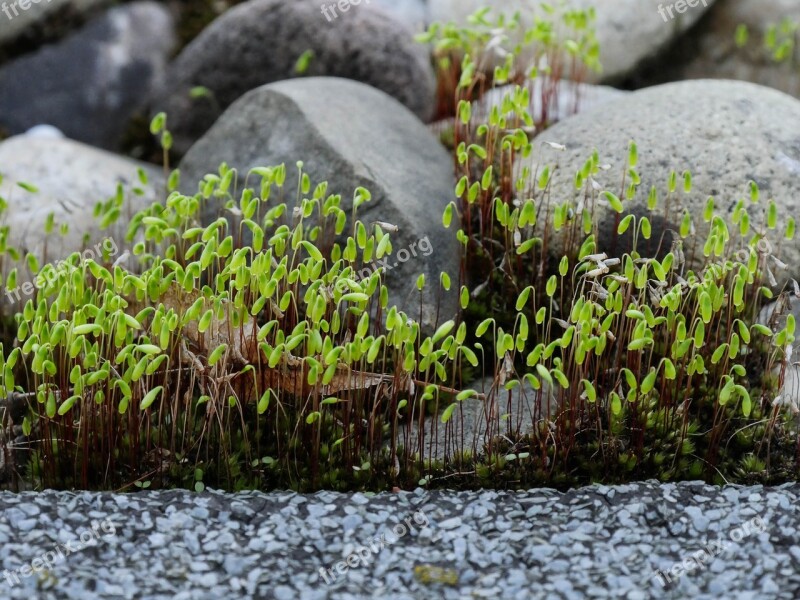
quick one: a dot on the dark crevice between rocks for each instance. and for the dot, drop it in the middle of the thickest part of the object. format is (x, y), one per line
(665, 66)
(62, 22)
(193, 16)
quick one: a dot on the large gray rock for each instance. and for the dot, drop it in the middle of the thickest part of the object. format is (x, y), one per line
(629, 31)
(71, 179)
(572, 98)
(91, 83)
(710, 50)
(260, 42)
(726, 133)
(413, 13)
(40, 18)
(350, 135)
(545, 108)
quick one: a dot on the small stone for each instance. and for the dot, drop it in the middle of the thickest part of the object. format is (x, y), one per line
(351, 523)
(283, 592)
(316, 511)
(451, 523)
(768, 586)
(27, 524)
(200, 512)
(795, 552)
(206, 579)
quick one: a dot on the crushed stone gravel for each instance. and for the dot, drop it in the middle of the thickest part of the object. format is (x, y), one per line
(636, 541)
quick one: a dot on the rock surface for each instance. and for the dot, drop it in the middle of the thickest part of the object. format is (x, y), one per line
(260, 42)
(710, 50)
(726, 133)
(629, 31)
(595, 542)
(91, 83)
(414, 13)
(349, 134)
(71, 179)
(573, 98)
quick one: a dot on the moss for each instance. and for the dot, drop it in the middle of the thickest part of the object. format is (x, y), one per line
(292, 382)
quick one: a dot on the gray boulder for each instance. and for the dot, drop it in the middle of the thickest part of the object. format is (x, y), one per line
(726, 133)
(572, 98)
(91, 83)
(414, 13)
(545, 108)
(260, 42)
(710, 50)
(629, 31)
(349, 134)
(70, 179)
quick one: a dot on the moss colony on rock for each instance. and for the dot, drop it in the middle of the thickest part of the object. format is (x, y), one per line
(248, 352)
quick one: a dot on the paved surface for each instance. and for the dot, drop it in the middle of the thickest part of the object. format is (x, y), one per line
(596, 542)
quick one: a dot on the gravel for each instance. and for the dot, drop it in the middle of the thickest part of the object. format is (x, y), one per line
(596, 542)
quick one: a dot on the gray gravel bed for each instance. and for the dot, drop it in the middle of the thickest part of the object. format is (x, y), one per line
(595, 542)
